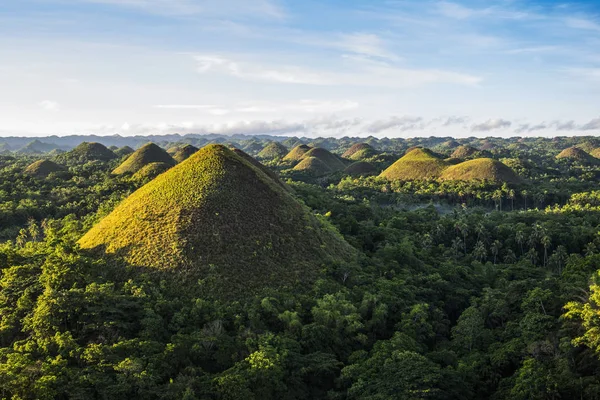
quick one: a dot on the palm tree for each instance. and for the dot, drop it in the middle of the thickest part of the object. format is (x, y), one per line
(520, 238)
(511, 196)
(480, 251)
(496, 246)
(524, 193)
(546, 242)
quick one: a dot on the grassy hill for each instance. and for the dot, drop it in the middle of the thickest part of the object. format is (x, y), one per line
(577, 154)
(272, 151)
(218, 218)
(595, 152)
(86, 152)
(147, 154)
(297, 153)
(184, 152)
(151, 171)
(464, 152)
(481, 169)
(415, 165)
(328, 158)
(43, 168)
(360, 168)
(37, 147)
(124, 151)
(313, 166)
(359, 151)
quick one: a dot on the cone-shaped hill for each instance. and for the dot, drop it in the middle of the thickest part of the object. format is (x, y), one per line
(43, 168)
(464, 152)
(313, 166)
(481, 169)
(184, 152)
(124, 151)
(360, 168)
(327, 157)
(595, 152)
(416, 165)
(218, 218)
(151, 171)
(359, 151)
(577, 154)
(272, 151)
(148, 153)
(86, 152)
(264, 169)
(297, 153)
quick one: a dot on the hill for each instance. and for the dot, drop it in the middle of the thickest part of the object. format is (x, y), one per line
(449, 144)
(218, 218)
(297, 153)
(577, 154)
(184, 152)
(37, 147)
(464, 152)
(595, 152)
(87, 151)
(147, 154)
(360, 168)
(43, 168)
(359, 151)
(480, 169)
(328, 158)
(272, 151)
(124, 151)
(415, 165)
(313, 166)
(151, 171)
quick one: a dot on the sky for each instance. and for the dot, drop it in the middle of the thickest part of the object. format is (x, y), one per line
(393, 68)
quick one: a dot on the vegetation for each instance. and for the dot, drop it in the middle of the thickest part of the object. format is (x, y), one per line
(123, 151)
(147, 154)
(578, 155)
(313, 166)
(326, 157)
(151, 171)
(217, 280)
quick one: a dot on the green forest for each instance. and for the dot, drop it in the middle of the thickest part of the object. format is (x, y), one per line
(238, 267)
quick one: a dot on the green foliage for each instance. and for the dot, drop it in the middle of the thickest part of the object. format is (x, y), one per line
(273, 150)
(359, 151)
(184, 152)
(43, 168)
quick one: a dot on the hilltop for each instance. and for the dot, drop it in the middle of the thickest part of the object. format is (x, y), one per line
(43, 168)
(147, 154)
(313, 166)
(481, 169)
(86, 152)
(359, 151)
(415, 165)
(464, 152)
(297, 153)
(184, 152)
(272, 151)
(218, 218)
(328, 158)
(37, 147)
(123, 151)
(577, 154)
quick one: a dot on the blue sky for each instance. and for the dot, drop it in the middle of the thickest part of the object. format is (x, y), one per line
(335, 68)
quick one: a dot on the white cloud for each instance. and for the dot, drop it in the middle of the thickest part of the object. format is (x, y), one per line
(404, 123)
(185, 106)
(368, 44)
(361, 72)
(303, 106)
(49, 105)
(582, 23)
(490, 125)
